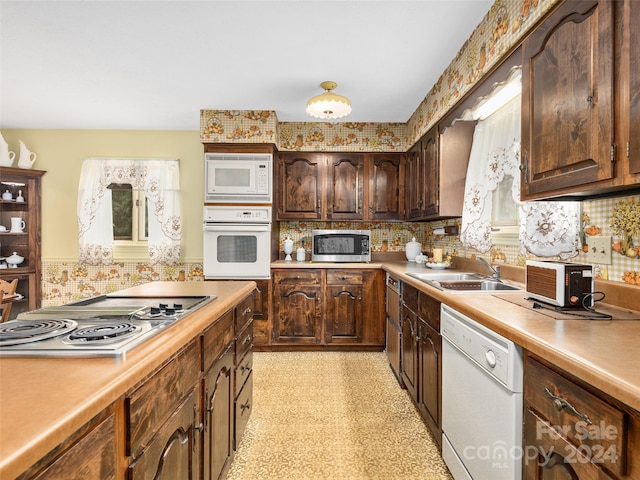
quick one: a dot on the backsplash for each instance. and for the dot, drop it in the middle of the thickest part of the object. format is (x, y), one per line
(393, 237)
(64, 282)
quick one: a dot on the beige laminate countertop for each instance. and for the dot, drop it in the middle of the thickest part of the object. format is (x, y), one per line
(44, 400)
(603, 353)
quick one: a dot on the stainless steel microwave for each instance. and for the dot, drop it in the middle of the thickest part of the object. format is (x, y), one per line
(341, 245)
(244, 178)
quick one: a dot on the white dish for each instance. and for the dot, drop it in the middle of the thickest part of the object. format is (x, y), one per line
(437, 266)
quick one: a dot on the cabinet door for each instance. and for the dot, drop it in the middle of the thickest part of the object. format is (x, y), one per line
(386, 187)
(173, 453)
(429, 384)
(297, 314)
(343, 314)
(632, 52)
(300, 186)
(218, 416)
(431, 177)
(415, 185)
(410, 351)
(345, 189)
(261, 308)
(567, 107)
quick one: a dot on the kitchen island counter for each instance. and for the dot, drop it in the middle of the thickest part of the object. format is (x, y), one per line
(45, 400)
(603, 353)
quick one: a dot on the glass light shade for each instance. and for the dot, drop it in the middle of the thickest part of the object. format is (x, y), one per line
(328, 105)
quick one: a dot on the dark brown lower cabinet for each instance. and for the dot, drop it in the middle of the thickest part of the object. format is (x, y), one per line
(174, 452)
(410, 351)
(572, 431)
(328, 308)
(182, 422)
(218, 415)
(422, 356)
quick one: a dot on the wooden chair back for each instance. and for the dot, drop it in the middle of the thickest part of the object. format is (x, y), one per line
(7, 289)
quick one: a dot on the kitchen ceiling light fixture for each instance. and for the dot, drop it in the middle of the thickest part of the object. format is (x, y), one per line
(328, 105)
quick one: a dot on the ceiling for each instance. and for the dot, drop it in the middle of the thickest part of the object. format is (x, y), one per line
(153, 64)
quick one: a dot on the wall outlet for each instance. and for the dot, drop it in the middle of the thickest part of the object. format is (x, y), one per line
(599, 250)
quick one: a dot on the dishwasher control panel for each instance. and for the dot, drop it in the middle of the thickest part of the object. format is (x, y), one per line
(490, 351)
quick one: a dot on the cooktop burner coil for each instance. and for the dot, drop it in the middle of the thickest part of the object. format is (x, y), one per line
(102, 333)
(17, 332)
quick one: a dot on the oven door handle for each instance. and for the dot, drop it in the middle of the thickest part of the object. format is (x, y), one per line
(237, 227)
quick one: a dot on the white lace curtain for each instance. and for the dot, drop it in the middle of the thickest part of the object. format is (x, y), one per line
(546, 229)
(160, 181)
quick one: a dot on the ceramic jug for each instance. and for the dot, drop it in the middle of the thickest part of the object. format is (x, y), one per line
(27, 157)
(6, 157)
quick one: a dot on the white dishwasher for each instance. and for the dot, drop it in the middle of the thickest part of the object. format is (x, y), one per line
(481, 400)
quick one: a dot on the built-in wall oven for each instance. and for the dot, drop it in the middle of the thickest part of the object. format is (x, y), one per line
(237, 242)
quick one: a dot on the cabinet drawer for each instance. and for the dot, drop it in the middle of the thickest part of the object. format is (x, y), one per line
(243, 370)
(594, 426)
(244, 313)
(94, 456)
(548, 455)
(215, 339)
(244, 405)
(305, 276)
(244, 342)
(410, 297)
(151, 403)
(341, 277)
(429, 310)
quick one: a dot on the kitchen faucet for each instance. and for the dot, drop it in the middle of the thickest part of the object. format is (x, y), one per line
(495, 271)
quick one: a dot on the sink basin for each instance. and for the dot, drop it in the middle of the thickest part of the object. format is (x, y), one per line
(476, 286)
(445, 277)
(463, 282)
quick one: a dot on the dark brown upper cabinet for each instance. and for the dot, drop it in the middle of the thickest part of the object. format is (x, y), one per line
(436, 172)
(339, 186)
(629, 87)
(567, 101)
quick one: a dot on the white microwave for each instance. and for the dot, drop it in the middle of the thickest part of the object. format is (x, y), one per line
(238, 178)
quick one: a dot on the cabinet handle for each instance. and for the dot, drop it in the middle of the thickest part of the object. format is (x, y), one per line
(247, 311)
(555, 459)
(246, 340)
(561, 404)
(245, 406)
(196, 425)
(245, 367)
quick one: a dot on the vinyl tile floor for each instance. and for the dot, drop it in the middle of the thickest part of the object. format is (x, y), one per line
(333, 416)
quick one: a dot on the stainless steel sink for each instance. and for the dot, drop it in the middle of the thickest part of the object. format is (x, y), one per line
(445, 277)
(477, 286)
(463, 282)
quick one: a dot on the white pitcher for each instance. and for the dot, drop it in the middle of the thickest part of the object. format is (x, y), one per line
(6, 157)
(27, 157)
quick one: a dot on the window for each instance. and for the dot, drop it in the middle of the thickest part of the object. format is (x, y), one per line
(505, 211)
(130, 210)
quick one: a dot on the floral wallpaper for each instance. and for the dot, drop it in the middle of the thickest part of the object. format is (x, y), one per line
(64, 282)
(504, 25)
